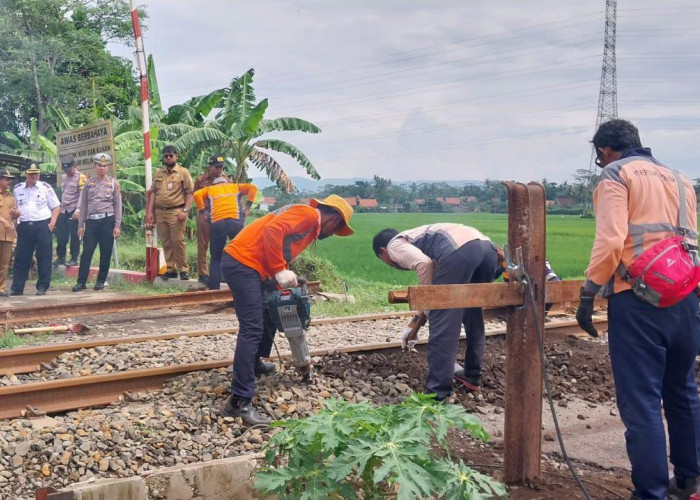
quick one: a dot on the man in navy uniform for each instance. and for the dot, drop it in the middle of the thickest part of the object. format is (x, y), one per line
(38, 208)
(99, 221)
(72, 183)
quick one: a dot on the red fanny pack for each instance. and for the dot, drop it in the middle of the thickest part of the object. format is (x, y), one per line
(666, 273)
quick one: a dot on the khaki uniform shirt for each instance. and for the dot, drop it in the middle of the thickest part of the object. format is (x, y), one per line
(171, 188)
(71, 185)
(101, 197)
(7, 202)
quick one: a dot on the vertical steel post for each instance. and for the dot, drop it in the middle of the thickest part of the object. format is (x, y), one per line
(151, 235)
(523, 395)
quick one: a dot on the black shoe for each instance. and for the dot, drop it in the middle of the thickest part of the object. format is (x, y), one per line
(59, 262)
(15, 294)
(203, 279)
(472, 384)
(242, 407)
(165, 276)
(4, 294)
(690, 486)
(41, 291)
(79, 286)
(184, 276)
(264, 367)
(72, 262)
(99, 285)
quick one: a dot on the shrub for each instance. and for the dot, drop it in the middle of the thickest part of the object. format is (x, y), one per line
(382, 452)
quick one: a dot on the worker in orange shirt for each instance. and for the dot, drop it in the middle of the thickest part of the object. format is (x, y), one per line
(226, 218)
(262, 251)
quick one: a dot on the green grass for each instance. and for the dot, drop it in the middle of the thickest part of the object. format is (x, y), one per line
(569, 242)
(9, 339)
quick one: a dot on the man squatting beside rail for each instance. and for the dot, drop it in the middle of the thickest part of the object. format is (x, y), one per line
(262, 252)
(638, 203)
(442, 254)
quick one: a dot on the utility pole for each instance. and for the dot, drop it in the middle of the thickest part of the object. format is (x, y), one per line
(607, 97)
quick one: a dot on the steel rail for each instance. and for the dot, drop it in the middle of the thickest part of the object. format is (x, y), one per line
(28, 314)
(98, 390)
(29, 359)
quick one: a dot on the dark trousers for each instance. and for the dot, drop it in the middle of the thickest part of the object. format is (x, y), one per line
(100, 231)
(652, 351)
(32, 236)
(256, 332)
(221, 231)
(67, 229)
(473, 262)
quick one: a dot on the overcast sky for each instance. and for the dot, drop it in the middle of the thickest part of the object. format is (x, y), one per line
(417, 89)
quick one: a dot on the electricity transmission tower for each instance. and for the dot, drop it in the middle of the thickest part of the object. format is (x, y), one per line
(607, 98)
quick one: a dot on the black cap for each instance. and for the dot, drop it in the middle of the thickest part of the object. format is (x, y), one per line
(217, 160)
(5, 173)
(67, 163)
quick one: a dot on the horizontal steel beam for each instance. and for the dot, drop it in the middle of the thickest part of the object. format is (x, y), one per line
(98, 390)
(137, 303)
(17, 315)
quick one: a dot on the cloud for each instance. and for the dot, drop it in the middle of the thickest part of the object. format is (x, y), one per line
(446, 89)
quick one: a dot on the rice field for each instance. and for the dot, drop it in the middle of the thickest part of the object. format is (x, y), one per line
(569, 242)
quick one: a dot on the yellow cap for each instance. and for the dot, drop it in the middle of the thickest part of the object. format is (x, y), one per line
(341, 206)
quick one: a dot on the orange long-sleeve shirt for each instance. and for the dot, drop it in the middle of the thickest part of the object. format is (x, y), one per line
(636, 205)
(224, 199)
(270, 243)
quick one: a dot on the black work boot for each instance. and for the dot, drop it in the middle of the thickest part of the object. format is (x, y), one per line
(100, 285)
(264, 367)
(471, 384)
(679, 489)
(242, 407)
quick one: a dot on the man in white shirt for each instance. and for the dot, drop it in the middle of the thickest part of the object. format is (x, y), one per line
(38, 208)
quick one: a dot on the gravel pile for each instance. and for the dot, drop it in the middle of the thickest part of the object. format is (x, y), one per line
(177, 425)
(181, 423)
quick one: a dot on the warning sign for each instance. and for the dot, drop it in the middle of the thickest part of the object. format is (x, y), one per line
(83, 143)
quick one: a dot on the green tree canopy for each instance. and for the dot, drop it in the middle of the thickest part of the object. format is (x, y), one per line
(53, 54)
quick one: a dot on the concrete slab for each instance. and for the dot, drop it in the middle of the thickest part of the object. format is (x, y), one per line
(185, 285)
(113, 276)
(224, 479)
(132, 488)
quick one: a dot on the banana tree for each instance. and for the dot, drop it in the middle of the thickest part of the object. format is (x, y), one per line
(236, 132)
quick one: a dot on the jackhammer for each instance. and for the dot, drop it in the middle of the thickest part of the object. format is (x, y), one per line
(290, 312)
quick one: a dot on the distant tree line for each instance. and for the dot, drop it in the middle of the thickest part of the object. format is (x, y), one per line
(489, 196)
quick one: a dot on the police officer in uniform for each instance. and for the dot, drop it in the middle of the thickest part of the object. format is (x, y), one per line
(99, 221)
(72, 182)
(38, 208)
(169, 202)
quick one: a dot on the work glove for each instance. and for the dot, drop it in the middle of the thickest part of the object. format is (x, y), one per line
(584, 313)
(407, 344)
(286, 279)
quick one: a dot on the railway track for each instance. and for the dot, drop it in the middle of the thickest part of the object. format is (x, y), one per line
(96, 390)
